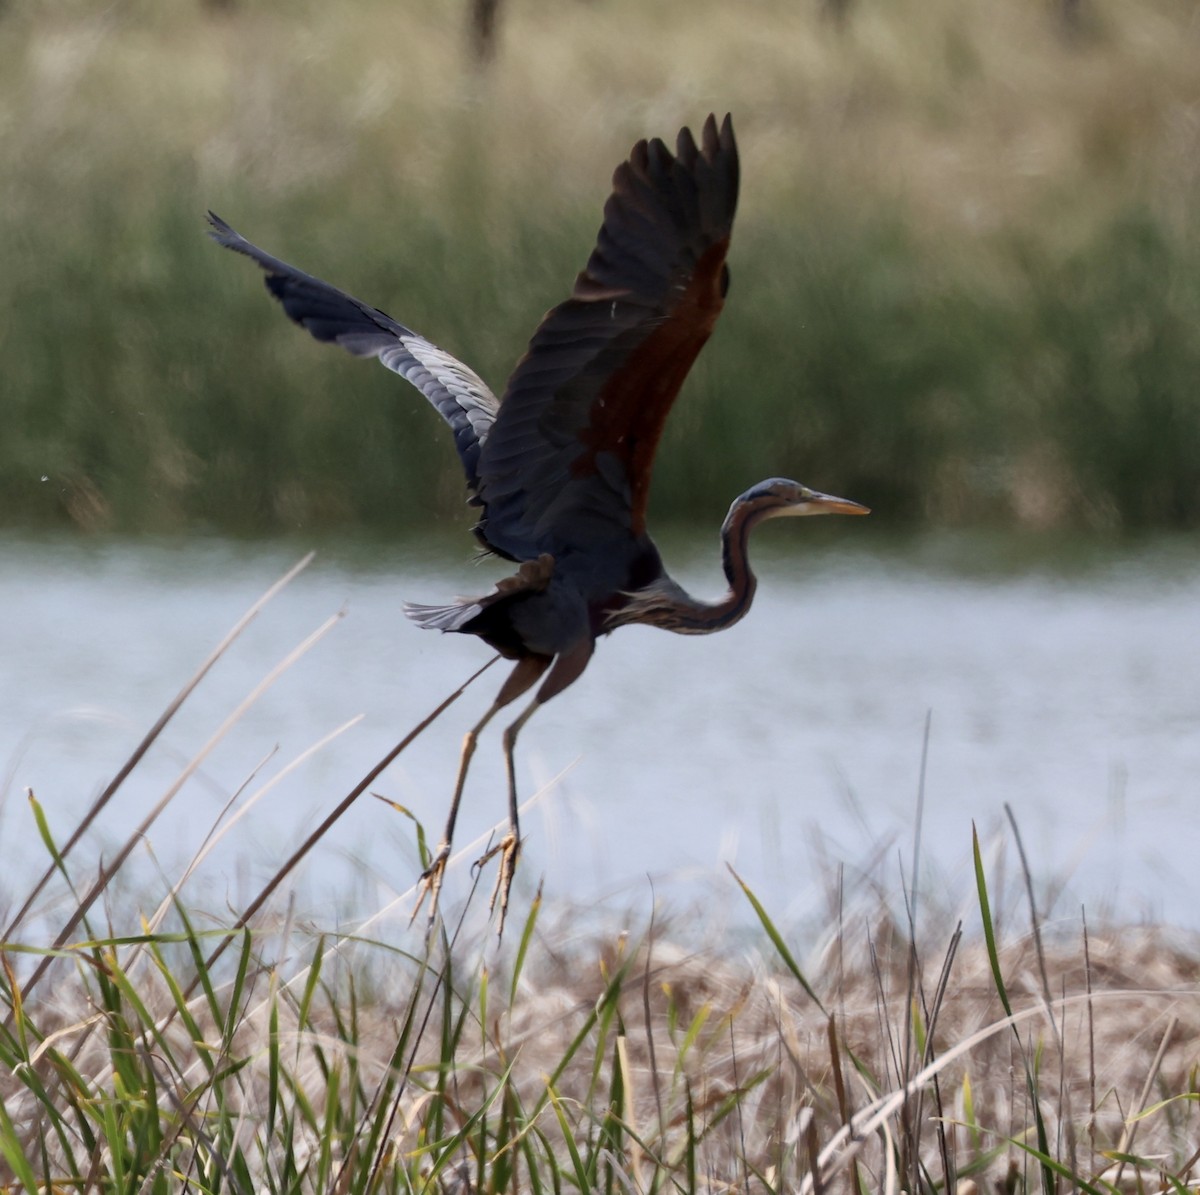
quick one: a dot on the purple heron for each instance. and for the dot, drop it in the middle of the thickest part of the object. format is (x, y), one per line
(559, 466)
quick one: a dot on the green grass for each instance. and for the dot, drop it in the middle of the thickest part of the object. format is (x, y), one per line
(151, 1045)
(966, 268)
(621, 1063)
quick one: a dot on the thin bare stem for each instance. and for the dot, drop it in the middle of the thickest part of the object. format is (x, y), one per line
(107, 873)
(345, 803)
(1131, 1121)
(655, 1078)
(1091, 1025)
(151, 735)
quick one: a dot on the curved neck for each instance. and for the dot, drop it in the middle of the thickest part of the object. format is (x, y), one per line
(735, 562)
(670, 607)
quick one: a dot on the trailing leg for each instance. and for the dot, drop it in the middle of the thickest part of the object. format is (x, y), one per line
(567, 668)
(509, 847)
(522, 678)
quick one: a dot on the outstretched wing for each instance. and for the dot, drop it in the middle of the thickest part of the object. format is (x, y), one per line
(568, 461)
(328, 314)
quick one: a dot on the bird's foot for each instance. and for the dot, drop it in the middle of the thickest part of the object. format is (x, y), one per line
(508, 848)
(430, 885)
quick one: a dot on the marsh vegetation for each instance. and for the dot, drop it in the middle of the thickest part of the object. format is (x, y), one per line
(906, 1038)
(966, 267)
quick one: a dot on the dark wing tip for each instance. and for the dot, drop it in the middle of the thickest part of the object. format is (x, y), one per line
(219, 230)
(718, 138)
(714, 140)
(639, 157)
(230, 238)
(718, 151)
(685, 147)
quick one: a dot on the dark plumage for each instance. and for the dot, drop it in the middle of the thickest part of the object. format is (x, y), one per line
(560, 466)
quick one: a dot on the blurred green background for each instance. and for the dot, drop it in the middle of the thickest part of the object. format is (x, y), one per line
(966, 269)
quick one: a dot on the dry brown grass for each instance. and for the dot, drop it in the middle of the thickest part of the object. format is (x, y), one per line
(721, 1053)
(1099, 1061)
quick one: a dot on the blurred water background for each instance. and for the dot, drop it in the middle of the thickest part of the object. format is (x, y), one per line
(966, 291)
(1063, 683)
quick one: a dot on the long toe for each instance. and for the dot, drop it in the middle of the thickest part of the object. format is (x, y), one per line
(509, 848)
(430, 885)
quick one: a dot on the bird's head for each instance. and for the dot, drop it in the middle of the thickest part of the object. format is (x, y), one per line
(777, 496)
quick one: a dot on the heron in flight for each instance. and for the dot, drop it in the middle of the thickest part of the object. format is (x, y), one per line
(559, 466)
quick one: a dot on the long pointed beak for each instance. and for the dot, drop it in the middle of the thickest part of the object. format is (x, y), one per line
(827, 504)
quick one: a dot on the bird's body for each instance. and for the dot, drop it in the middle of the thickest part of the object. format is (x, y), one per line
(560, 465)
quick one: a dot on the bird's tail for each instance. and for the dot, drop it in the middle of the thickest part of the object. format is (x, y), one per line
(532, 577)
(453, 617)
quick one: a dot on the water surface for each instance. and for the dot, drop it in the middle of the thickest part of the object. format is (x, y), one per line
(1066, 684)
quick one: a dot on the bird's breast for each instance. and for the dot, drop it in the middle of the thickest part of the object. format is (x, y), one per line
(552, 621)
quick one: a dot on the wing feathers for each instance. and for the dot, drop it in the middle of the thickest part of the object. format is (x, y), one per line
(565, 459)
(328, 314)
(585, 407)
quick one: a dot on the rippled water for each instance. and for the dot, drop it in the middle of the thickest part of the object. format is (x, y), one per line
(1066, 685)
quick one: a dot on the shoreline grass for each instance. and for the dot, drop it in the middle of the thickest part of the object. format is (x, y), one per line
(620, 1062)
(966, 272)
(153, 1045)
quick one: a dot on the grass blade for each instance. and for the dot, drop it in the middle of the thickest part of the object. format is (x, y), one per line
(777, 941)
